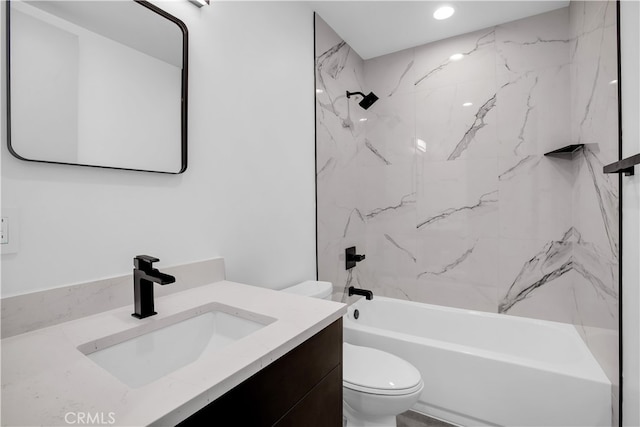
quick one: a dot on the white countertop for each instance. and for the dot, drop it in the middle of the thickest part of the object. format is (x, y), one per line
(45, 377)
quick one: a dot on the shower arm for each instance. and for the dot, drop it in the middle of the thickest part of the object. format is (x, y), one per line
(354, 93)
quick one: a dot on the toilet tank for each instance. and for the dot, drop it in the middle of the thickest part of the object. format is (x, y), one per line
(312, 288)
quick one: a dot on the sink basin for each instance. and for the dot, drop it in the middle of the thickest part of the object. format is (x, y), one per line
(146, 353)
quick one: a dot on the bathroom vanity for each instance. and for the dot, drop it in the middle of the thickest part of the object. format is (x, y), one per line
(302, 388)
(287, 371)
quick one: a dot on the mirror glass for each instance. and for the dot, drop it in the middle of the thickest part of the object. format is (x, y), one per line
(97, 83)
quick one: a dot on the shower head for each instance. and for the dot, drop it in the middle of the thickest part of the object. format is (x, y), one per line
(367, 100)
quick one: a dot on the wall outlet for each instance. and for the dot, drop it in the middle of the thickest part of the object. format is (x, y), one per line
(10, 231)
(4, 231)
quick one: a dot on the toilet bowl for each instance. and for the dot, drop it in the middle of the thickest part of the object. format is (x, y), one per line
(376, 385)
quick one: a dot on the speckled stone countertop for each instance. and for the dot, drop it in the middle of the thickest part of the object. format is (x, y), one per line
(46, 380)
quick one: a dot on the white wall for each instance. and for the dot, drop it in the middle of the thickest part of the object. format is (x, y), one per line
(248, 194)
(630, 56)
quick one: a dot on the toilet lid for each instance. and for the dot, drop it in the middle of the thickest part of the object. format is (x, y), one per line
(373, 371)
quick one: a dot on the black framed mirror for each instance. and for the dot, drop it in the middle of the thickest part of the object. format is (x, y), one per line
(99, 83)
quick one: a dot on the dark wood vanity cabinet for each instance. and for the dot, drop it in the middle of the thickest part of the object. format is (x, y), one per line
(302, 388)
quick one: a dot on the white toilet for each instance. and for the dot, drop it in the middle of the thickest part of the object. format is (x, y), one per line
(376, 385)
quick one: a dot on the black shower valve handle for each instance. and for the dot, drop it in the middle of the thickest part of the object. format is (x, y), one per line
(351, 258)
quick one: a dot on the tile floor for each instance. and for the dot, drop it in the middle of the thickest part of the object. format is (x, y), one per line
(414, 419)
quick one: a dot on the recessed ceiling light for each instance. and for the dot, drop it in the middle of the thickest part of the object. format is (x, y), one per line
(443, 12)
(613, 82)
(319, 91)
(364, 119)
(467, 104)
(200, 3)
(456, 57)
(421, 145)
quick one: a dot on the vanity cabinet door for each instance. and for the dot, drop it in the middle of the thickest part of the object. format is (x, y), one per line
(302, 388)
(322, 407)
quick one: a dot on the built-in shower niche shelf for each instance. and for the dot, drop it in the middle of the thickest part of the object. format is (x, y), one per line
(566, 152)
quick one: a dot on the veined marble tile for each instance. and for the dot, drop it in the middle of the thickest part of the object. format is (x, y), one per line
(391, 259)
(459, 197)
(450, 128)
(537, 278)
(596, 304)
(434, 68)
(340, 144)
(469, 260)
(391, 75)
(533, 111)
(598, 272)
(553, 302)
(594, 102)
(594, 122)
(588, 19)
(331, 249)
(391, 245)
(573, 257)
(336, 148)
(595, 201)
(339, 117)
(535, 197)
(568, 299)
(594, 73)
(454, 293)
(338, 69)
(335, 195)
(389, 160)
(536, 42)
(391, 129)
(326, 37)
(542, 269)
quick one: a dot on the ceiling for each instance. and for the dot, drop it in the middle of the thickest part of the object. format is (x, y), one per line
(375, 28)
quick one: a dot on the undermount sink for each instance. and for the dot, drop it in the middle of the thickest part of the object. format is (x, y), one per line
(148, 352)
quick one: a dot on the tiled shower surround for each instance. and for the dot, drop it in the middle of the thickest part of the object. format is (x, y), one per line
(443, 182)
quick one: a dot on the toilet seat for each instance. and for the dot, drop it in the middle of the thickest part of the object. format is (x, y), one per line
(372, 371)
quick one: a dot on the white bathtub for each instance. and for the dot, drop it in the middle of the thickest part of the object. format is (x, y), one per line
(488, 369)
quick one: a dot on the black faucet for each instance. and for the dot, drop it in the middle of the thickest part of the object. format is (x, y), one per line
(356, 291)
(144, 275)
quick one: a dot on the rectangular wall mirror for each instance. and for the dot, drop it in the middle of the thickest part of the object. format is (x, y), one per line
(99, 83)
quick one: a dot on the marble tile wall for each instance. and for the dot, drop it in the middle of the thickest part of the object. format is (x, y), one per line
(444, 184)
(594, 122)
(341, 148)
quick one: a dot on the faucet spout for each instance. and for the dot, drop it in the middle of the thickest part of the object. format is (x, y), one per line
(364, 292)
(144, 276)
(156, 276)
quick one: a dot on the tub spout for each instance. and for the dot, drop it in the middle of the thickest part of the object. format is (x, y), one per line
(364, 292)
